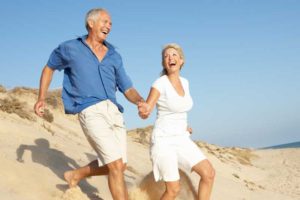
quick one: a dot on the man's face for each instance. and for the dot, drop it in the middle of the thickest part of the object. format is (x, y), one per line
(101, 26)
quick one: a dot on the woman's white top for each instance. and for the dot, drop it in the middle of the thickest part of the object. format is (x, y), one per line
(171, 108)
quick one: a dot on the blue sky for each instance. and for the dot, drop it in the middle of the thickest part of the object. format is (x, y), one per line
(242, 58)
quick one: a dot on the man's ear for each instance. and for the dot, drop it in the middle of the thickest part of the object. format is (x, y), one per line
(90, 23)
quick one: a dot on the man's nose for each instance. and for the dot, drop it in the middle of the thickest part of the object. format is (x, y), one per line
(108, 25)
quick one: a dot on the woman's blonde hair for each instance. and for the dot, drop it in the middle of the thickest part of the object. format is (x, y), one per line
(171, 46)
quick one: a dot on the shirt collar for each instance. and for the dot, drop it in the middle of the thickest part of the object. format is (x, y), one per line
(110, 47)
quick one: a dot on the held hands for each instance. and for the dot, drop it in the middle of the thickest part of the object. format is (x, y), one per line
(144, 110)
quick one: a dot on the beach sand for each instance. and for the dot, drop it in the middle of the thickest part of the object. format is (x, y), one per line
(35, 153)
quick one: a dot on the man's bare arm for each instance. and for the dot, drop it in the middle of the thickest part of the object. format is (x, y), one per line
(133, 96)
(45, 81)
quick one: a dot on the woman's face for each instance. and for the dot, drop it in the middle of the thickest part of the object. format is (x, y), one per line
(172, 61)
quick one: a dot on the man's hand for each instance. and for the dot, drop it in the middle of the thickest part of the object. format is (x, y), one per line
(39, 107)
(144, 110)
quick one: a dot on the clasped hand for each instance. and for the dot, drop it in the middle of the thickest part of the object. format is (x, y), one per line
(144, 110)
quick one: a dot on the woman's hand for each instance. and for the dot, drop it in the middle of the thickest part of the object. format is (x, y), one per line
(144, 110)
(189, 129)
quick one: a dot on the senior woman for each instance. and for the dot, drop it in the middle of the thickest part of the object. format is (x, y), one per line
(171, 145)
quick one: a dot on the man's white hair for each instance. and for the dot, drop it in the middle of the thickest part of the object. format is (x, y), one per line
(93, 14)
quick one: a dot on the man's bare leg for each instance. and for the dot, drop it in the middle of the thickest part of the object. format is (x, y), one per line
(92, 169)
(116, 180)
(114, 170)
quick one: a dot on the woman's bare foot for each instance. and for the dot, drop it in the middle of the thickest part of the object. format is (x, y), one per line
(71, 178)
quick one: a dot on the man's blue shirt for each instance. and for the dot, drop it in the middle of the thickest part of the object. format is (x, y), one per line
(88, 81)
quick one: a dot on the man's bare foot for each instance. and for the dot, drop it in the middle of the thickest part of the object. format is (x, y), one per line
(71, 178)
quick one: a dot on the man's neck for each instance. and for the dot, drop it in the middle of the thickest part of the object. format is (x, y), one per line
(94, 43)
(97, 47)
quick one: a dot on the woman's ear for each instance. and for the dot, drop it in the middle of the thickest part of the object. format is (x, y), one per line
(181, 63)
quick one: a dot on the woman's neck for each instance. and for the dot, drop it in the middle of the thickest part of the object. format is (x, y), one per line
(173, 76)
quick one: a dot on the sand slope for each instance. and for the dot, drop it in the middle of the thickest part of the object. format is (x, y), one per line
(35, 153)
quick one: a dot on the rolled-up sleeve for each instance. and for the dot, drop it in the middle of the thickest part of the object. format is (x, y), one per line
(123, 80)
(58, 58)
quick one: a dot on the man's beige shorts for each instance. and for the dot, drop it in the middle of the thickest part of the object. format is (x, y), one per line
(103, 126)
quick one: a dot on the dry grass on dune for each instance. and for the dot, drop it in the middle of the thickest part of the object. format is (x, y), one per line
(11, 103)
(23, 90)
(242, 155)
(54, 99)
(141, 135)
(229, 154)
(48, 116)
(2, 89)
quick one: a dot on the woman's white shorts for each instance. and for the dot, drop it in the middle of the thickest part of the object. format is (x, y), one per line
(168, 153)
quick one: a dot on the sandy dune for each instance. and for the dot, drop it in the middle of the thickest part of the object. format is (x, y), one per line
(35, 153)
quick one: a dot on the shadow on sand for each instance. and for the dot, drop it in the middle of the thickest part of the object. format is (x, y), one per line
(57, 162)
